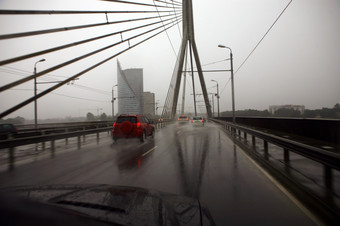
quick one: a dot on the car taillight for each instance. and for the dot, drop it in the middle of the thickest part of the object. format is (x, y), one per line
(203, 120)
(114, 124)
(187, 118)
(178, 119)
(138, 124)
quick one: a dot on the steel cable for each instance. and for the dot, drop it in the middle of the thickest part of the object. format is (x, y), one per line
(137, 3)
(13, 84)
(23, 57)
(40, 32)
(24, 103)
(51, 12)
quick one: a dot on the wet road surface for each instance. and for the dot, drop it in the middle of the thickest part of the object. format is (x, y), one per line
(199, 162)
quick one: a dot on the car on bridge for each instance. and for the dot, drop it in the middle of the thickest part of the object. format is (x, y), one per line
(7, 130)
(197, 121)
(183, 119)
(132, 126)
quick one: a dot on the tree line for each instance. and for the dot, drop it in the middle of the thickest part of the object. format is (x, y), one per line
(333, 113)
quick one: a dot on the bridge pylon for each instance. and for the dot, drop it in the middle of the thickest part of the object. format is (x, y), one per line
(188, 40)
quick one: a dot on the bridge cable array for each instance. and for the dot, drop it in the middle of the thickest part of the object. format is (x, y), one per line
(137, 31)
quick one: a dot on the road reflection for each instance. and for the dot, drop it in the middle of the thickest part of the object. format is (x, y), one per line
(132, 154)
(192, 146)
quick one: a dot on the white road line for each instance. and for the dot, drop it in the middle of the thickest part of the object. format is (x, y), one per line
(149, 151)
(287, 193)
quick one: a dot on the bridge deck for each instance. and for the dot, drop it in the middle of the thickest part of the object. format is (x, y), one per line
(198, 162)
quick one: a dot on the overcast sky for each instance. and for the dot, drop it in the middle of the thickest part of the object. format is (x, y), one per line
(298, 62)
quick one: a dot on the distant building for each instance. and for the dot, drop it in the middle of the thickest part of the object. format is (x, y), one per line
(149, 104)
(130, 90)
(274, 108)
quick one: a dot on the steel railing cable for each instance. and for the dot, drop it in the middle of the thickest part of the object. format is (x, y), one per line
(180, 3)
(51, 12)
(172, 3)
(13, 84)
(47, 31)
(179, 30)
(147, 35)
(16, 59)
(166, 31)
(138, 3)
(257, 44)
(24, 103)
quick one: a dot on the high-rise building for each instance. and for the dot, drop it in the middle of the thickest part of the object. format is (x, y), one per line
(149, 104)
(130, 90)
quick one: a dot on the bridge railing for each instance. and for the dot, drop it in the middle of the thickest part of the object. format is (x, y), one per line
(58, 131)
(330, 161)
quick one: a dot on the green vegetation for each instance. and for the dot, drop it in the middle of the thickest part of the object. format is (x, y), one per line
(17, 120)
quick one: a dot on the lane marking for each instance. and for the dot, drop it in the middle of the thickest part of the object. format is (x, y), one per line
(152, 149)
(300, 205)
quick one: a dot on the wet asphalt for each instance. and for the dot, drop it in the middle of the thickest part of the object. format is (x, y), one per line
(199, 162)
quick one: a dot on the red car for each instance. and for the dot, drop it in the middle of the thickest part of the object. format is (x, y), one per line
(132, 126)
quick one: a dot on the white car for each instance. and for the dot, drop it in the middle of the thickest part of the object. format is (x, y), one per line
(183, 119)
(197, 121)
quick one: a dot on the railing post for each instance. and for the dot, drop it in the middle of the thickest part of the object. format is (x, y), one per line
(328, 179)
(11, 159)
(245, 137)
(66, 139)
(79, 142)
(84, 135)
(253, 141)
(52, 148)
(43, 143)
(97, 137)
(286, 156)
(265, 148)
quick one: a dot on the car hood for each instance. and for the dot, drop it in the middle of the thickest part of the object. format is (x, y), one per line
(117, 204)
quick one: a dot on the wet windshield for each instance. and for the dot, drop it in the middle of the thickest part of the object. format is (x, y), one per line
(181, 112)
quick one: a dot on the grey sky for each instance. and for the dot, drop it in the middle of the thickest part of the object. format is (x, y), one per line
(297, 63)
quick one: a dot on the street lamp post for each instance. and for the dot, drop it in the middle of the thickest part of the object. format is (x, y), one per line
(157, 102)
(218, 99)
(213, 107)
(232, 80)
(113, 102)
(35, 95)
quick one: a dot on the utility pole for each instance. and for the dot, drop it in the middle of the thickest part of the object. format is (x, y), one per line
(232, 80)
(218, 99)
(35, 95)
(113, 102)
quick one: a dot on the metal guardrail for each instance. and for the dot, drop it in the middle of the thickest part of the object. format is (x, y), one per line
(42, 126)
(329, 160)
(11, 143)
(62, 131)
(58, 132)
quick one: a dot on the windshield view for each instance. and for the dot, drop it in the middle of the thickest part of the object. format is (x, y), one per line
(169, 112)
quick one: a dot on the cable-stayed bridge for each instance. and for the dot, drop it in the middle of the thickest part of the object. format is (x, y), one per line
(215, 164)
